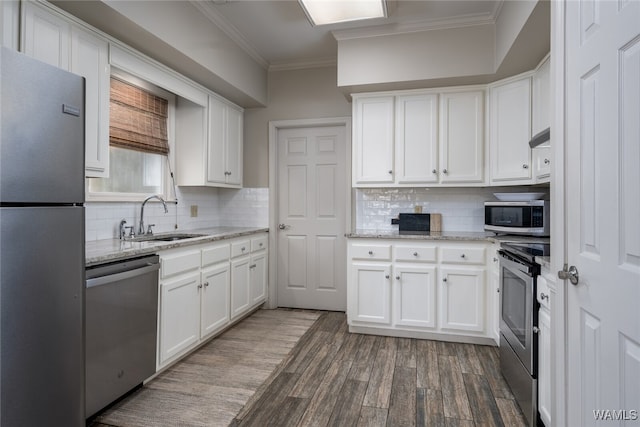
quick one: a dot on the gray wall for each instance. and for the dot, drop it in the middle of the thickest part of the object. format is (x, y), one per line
(293, 94)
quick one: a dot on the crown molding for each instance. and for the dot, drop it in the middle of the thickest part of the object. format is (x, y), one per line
(304, 64)
(209, 11)
(417, 26)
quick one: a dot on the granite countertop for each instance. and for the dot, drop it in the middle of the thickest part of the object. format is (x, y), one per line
(446, 235)
(107, 250)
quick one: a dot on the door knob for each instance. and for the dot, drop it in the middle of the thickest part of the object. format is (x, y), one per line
(569, 273)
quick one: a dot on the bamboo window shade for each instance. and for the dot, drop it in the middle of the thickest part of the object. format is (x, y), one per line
(138, 119)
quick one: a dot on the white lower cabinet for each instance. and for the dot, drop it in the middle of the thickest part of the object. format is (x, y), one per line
(462, 299)
(204, 288)
(214, 306)
(179, 315)
(422, 290)
(240, 282)
(414, 296)
(371, 291)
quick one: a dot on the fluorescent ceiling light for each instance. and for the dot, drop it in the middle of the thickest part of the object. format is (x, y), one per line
(323, 12)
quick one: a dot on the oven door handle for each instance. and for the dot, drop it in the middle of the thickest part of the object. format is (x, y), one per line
(514, 264)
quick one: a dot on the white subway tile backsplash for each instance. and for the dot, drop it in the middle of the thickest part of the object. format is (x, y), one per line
(247, 207)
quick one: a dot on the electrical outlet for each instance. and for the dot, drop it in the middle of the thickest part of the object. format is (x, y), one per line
(194, 211)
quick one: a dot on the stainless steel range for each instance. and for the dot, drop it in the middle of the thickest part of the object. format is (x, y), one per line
(519, 322)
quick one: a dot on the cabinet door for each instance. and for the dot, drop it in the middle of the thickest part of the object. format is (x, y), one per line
(45, 36)
(542, 163)
(416, 141)
(240, 282)
(179, 315)
(214, 305)
(414, 296)
(462, 299)
(544, 366)
(90, 59)
(541, 98)
(462, 137)
(510, 132)
(370, 299)
(233, 169)
(216, 156)
(258, 271)
(373, 140)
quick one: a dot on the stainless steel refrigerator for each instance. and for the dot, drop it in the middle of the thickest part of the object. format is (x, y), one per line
(41, 244)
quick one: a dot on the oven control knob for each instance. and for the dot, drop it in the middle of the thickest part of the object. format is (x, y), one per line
(536, 329)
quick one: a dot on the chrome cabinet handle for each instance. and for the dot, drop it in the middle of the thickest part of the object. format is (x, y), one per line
(463, 256)
(525, 166)
(390, 172)
(370, 252)
(206, 283)
(386, 276)
(444, 280)
(495, 259)
(544, 296)
(547, 161)
(283, 226)
(261, 244)
(445, 171)
(253, 266)
(243, 249)
(415, 254)
(397, 277)
(536, 330)
(434, 171)
(200, 286)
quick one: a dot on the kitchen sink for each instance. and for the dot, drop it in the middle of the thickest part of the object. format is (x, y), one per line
(166, 237)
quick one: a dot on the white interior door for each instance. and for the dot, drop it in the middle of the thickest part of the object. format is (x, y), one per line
(311, 195)
(603, 207)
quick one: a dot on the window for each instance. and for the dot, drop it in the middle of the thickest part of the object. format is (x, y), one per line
(140, 136)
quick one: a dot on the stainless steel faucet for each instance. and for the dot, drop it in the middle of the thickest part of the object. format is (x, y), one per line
(155, 196)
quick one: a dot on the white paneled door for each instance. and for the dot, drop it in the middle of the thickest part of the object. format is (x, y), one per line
(603, 207)
(312, 188)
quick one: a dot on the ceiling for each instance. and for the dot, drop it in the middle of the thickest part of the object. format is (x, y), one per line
(278, 35)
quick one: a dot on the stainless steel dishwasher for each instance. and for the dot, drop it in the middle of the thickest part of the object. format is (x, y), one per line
(121, 328)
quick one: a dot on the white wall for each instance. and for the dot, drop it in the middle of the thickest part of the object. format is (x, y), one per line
(512, 18)
(424, 55)
(293, 94)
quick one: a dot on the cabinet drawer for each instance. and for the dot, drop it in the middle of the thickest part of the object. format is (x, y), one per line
(461, 255)
(258, 243)
(416, 253)
(239, 248)
(171, 265)
(215, 254)
(378, 252)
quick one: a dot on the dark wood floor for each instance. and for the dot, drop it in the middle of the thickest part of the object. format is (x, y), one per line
(334, 378)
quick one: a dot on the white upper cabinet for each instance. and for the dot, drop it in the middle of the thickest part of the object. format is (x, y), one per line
(462, 137)
(510, 132)
(416, 142)
(541, 98)
(373, 140)
(52, 38)
(90, 59)
(224, 151)
(418, 138)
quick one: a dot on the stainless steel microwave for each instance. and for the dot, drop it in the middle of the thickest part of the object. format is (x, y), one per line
(529, 218)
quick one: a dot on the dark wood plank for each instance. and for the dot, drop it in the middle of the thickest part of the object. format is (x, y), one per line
(445, 348)
(402, 405)
(483, 405)
(429, 408)
(406, 356)
(349, 403)
(321, 406)
(365, 358)
(454, 395)
(510, 413)
(455, 422)
(428, 375)
(372, 417)
(490, 361)
(268, 405)
(379, 389)
(468, 359)
(289, 412)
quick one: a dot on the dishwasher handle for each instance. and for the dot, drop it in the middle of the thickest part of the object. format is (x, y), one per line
(104, 280)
